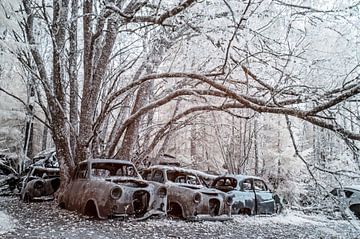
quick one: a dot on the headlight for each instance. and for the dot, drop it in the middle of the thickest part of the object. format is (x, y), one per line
(229, 200)
(115, 193)
(197, 198)
(38, 184)
(162, 192)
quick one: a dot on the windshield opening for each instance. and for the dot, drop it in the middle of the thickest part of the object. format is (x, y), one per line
(113, 169)
(225, 184)
(182, 177)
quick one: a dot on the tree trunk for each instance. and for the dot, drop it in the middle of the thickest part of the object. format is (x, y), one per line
(58, 106)
(165, 144)
(92, 82)
(115, 140)
(133, 129)
(256, 150)
(73, 76)
(121, 116)
(44, 137)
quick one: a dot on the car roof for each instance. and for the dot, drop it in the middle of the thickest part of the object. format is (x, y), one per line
(45, 153)
(240, 177)
(99, 160)
(352, 187)
(40, 168)
(180, 169)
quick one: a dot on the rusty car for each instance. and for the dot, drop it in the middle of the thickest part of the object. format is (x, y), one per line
(349, 196)
(46, 158)
(188, 198)
(40, 183)
(250, 194)
(108, 188)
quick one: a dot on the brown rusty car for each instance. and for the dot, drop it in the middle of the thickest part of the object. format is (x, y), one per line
(105, 188)
(188, 197)
(40, 183)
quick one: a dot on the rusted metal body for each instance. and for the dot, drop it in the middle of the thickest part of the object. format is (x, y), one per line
(107, 188)
(188, 197)
(250, 194)
(40, 183)
(46, 158)
(349, 196)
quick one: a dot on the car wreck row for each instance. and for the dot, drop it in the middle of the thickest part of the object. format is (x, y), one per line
(109, 188)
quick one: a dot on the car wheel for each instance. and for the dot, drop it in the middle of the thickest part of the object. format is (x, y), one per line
(244, 211)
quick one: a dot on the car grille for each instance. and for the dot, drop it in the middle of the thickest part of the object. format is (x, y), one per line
(141, 202)
(214, 207)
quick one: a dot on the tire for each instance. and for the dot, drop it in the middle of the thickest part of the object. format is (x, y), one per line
(244, 211)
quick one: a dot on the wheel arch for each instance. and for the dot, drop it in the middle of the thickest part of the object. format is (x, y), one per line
(178, 206)
(91, 209)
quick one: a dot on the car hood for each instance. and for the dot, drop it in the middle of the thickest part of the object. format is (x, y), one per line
(128, 181)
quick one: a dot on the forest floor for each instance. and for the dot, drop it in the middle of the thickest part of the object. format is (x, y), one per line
(46, 220)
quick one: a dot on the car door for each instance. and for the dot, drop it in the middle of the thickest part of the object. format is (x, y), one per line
(265, 203)
(76, 187)
(244, 198)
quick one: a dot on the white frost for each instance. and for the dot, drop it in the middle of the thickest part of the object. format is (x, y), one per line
(293, 218)
(6, 223)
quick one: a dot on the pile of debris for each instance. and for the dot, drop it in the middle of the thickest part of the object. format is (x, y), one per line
(17, 171)
(9, 177)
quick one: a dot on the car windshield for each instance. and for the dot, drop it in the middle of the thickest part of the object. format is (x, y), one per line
(182, 177)
(225, 184)
(113, 169)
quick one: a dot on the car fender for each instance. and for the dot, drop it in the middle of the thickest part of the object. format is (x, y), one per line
(100, 215)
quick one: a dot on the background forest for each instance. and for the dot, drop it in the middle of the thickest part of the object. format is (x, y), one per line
(261, 87)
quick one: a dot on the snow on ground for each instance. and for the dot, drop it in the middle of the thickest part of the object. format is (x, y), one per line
(290, 217)
(46, 220)
(294, 218)
(6, 222)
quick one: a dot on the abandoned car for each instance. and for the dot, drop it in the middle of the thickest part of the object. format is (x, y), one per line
(105, 188)
(40, 183)
(188, 198)
(251, 194)
(46, 158)
(350, 197)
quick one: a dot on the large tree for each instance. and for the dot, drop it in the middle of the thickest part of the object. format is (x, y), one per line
(112, 63)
